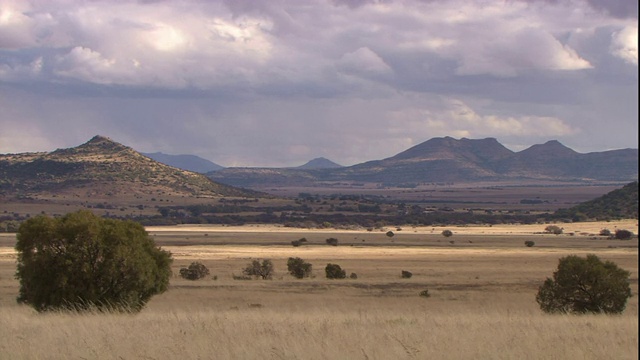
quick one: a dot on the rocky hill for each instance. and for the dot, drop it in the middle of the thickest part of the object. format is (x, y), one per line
(319, 163)
(102, 167)
(617, 204)
(458, 161)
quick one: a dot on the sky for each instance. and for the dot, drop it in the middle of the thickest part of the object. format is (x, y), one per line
(277, 83)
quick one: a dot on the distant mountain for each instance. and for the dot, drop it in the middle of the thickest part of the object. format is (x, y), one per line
(102, 167)
(319, 163)
(185, 162)
(458, 161)
(617, 204)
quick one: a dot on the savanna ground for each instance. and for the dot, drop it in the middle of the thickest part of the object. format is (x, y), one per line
(482, 282)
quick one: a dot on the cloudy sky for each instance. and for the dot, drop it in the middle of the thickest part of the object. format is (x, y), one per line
(280, 82)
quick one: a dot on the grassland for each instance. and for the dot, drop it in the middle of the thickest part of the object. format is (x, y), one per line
(482, 283)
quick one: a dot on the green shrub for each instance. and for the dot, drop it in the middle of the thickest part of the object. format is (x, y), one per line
(390, 233)
(81, 261)
(605, 232)
(406, 274)
(447, 233)
(553, 229)
(299, 268)
(529, 243)
(195, 271)
(332, 241)
(262, 270)
(585, 285)
(623, 234)
(334, 271)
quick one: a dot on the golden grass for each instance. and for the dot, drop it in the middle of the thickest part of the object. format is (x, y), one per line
(482, 304)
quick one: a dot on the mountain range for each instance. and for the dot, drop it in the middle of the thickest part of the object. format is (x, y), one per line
(185, 162)
(455, 161)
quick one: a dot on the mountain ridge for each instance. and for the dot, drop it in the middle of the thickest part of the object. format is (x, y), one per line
(461, 161)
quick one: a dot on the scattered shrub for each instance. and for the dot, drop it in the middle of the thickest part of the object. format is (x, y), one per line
(406, 274)
(195, 271)
(332, 241)
(390, 233)
(585, 285)
(81, 261)
(605, 232)
(299, 268)
(334, 271)
(553, 229)
(447, 233)
(262, 270)
(425, 293)
(353, 276)
(295, 243)
(529, 243)
(623, 234)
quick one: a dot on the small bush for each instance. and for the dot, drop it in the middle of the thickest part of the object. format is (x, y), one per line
(262, 270)
(529, 243)
(605, 232)
(334, 271)
(447, 233)
(195, 271)
(299, 268)
(585, 285)
(332, 241)
(406, 274)
(295, 243)
(553, 229)
(390, 233)
(623, 234)
(425, 293)
(353, 276)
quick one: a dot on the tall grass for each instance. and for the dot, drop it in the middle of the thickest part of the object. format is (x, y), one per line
(364, 330)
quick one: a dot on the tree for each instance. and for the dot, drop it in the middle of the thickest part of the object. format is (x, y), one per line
(585, 285)
(299, 268)
(553, 229)
(262, 270)
(82, 261)
(334, 271)
(622, 234)
(195, 271)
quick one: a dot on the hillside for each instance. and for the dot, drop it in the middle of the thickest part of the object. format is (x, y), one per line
(617, 204)
(447, 160)
(185, 162)
(102, 167)
(319, 163)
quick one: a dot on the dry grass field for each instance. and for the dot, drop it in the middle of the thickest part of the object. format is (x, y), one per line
(482, 282)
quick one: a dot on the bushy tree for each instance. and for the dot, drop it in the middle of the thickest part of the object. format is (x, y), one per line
(82, 261)
(332, 241)
(299, 268)
(334, 271)
(195, 271)
(262, 270)
(622, 234)
(585, 285)
(553, 229)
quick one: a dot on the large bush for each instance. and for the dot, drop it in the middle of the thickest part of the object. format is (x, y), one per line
(334, 271)
(262, 270)
(299, 268)
(82, 261)
(585, 285)
(195, 271)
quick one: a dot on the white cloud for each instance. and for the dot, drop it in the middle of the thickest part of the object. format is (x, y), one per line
(624, 44)
(364, 61)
